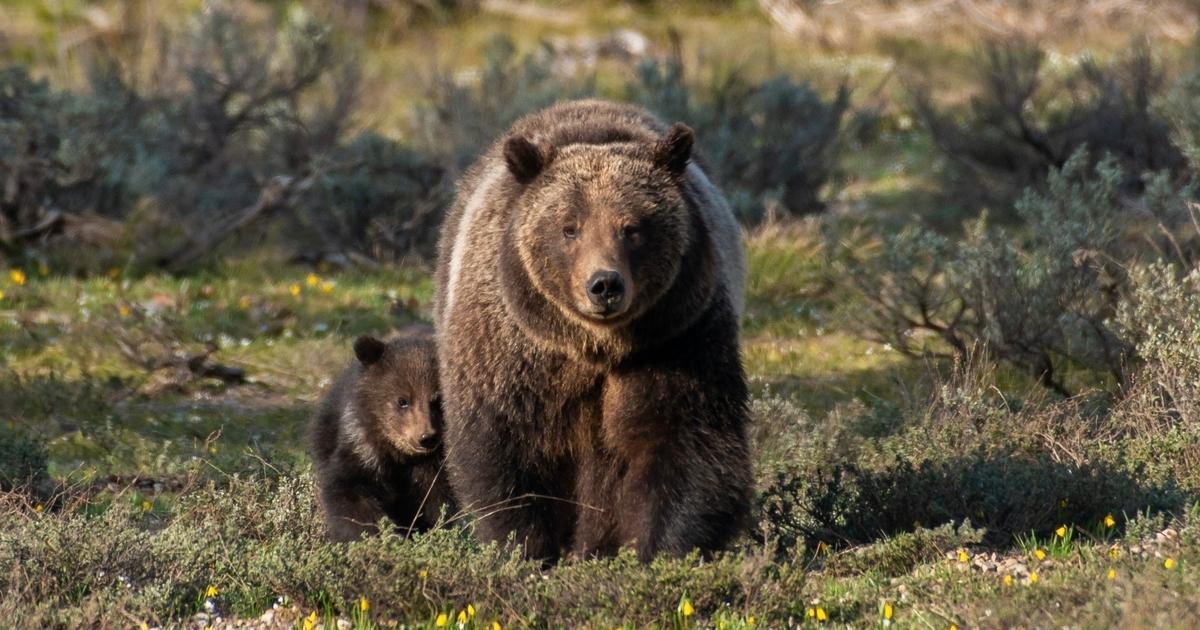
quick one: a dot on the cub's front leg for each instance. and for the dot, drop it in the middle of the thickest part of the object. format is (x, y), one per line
(350, 511)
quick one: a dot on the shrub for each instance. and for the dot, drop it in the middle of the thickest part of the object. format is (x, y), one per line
(772, 146)
(1023, 122)
(461, 119)
(22, 463)
(242, 123)
(1041, 297)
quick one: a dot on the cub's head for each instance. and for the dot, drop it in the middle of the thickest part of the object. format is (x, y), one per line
(397, 394)
(602, 229)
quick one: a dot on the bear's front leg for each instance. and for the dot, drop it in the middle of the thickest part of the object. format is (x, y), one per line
(495, 483)
(677, 420)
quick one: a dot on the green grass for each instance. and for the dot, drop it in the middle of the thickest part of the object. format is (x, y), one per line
(873, 470)
(233, 506)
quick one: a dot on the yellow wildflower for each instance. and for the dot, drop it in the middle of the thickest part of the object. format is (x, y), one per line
(212, 450)
(363, 604)
(962, 556)
(310, 621)
(212, 591)
(810, 612)
(143, 626)
(114, 272)
(495, 625)
(244, 303)
(1062, 504)
(821, 616)
(1033, 577)
(294, 290)
(1169, 563)
(39, 508)
(17, 276)
(462, 618)
(327, 287)
(1112, 574)
(146, 505)
(953, 626)
(887, 610)
(1061, 531)
(1115, 552)
(312, 280)
(1040, 554)
(686, 608)
(1008, 581)
(423, 574)
(750, 621)
(1110, 522)
(471, 611)
(123, 310)
(441, 620)
(822, 547)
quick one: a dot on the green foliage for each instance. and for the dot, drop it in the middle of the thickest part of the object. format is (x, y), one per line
(773, 146)
(461, 120)
(22, 462)
(1024, 121)
(1040, 297)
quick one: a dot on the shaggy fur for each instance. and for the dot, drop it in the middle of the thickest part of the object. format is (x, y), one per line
(375, 439)
(581, 423)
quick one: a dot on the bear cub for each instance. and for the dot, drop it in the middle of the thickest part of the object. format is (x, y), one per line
(375, 439)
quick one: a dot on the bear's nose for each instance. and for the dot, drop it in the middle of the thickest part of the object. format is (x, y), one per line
(428, 440)
(605, 288)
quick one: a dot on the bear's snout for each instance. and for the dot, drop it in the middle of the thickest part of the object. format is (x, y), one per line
(606, 289)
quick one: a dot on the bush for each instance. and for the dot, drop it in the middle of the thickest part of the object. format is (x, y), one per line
(461, 119)
(773, 146)
(1023, 122)
(1041, 297)
(244, 123)
(22, 463)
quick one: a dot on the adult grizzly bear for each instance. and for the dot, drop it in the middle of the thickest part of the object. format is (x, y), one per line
(589, 289)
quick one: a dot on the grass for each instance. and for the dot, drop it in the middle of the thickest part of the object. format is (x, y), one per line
(160, 496)
(166, 491)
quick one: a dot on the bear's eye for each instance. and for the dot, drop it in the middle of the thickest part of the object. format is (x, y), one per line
(630, 232)
(402, 403)
(570, 232)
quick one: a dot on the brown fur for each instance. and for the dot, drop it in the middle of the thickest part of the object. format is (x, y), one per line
(576, 428)
(366, 443)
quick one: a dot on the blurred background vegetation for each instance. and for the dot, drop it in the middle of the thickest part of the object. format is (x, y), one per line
(973, 301)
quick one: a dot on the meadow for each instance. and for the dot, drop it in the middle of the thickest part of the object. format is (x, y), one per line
(972, 329)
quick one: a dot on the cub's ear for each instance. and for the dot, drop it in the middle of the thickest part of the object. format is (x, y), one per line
(524, 159)
(674, 149)
(368, 349)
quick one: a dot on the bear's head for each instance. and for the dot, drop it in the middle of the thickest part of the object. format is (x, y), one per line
(397, 396)
(601, 229)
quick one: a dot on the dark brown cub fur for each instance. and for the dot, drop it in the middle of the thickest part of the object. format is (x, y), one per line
(375, 439)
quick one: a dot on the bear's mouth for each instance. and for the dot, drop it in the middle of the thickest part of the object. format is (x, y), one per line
(608, 314)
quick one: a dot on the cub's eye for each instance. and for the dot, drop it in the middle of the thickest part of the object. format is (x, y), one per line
(402, 403)
(570, 232)
(630, 232)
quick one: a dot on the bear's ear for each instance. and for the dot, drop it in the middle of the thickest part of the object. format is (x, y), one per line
(525, 160)
(674, 149)
(368, 349)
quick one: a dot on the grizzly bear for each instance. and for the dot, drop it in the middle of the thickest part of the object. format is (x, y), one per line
(375, 441)
(588, 298)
